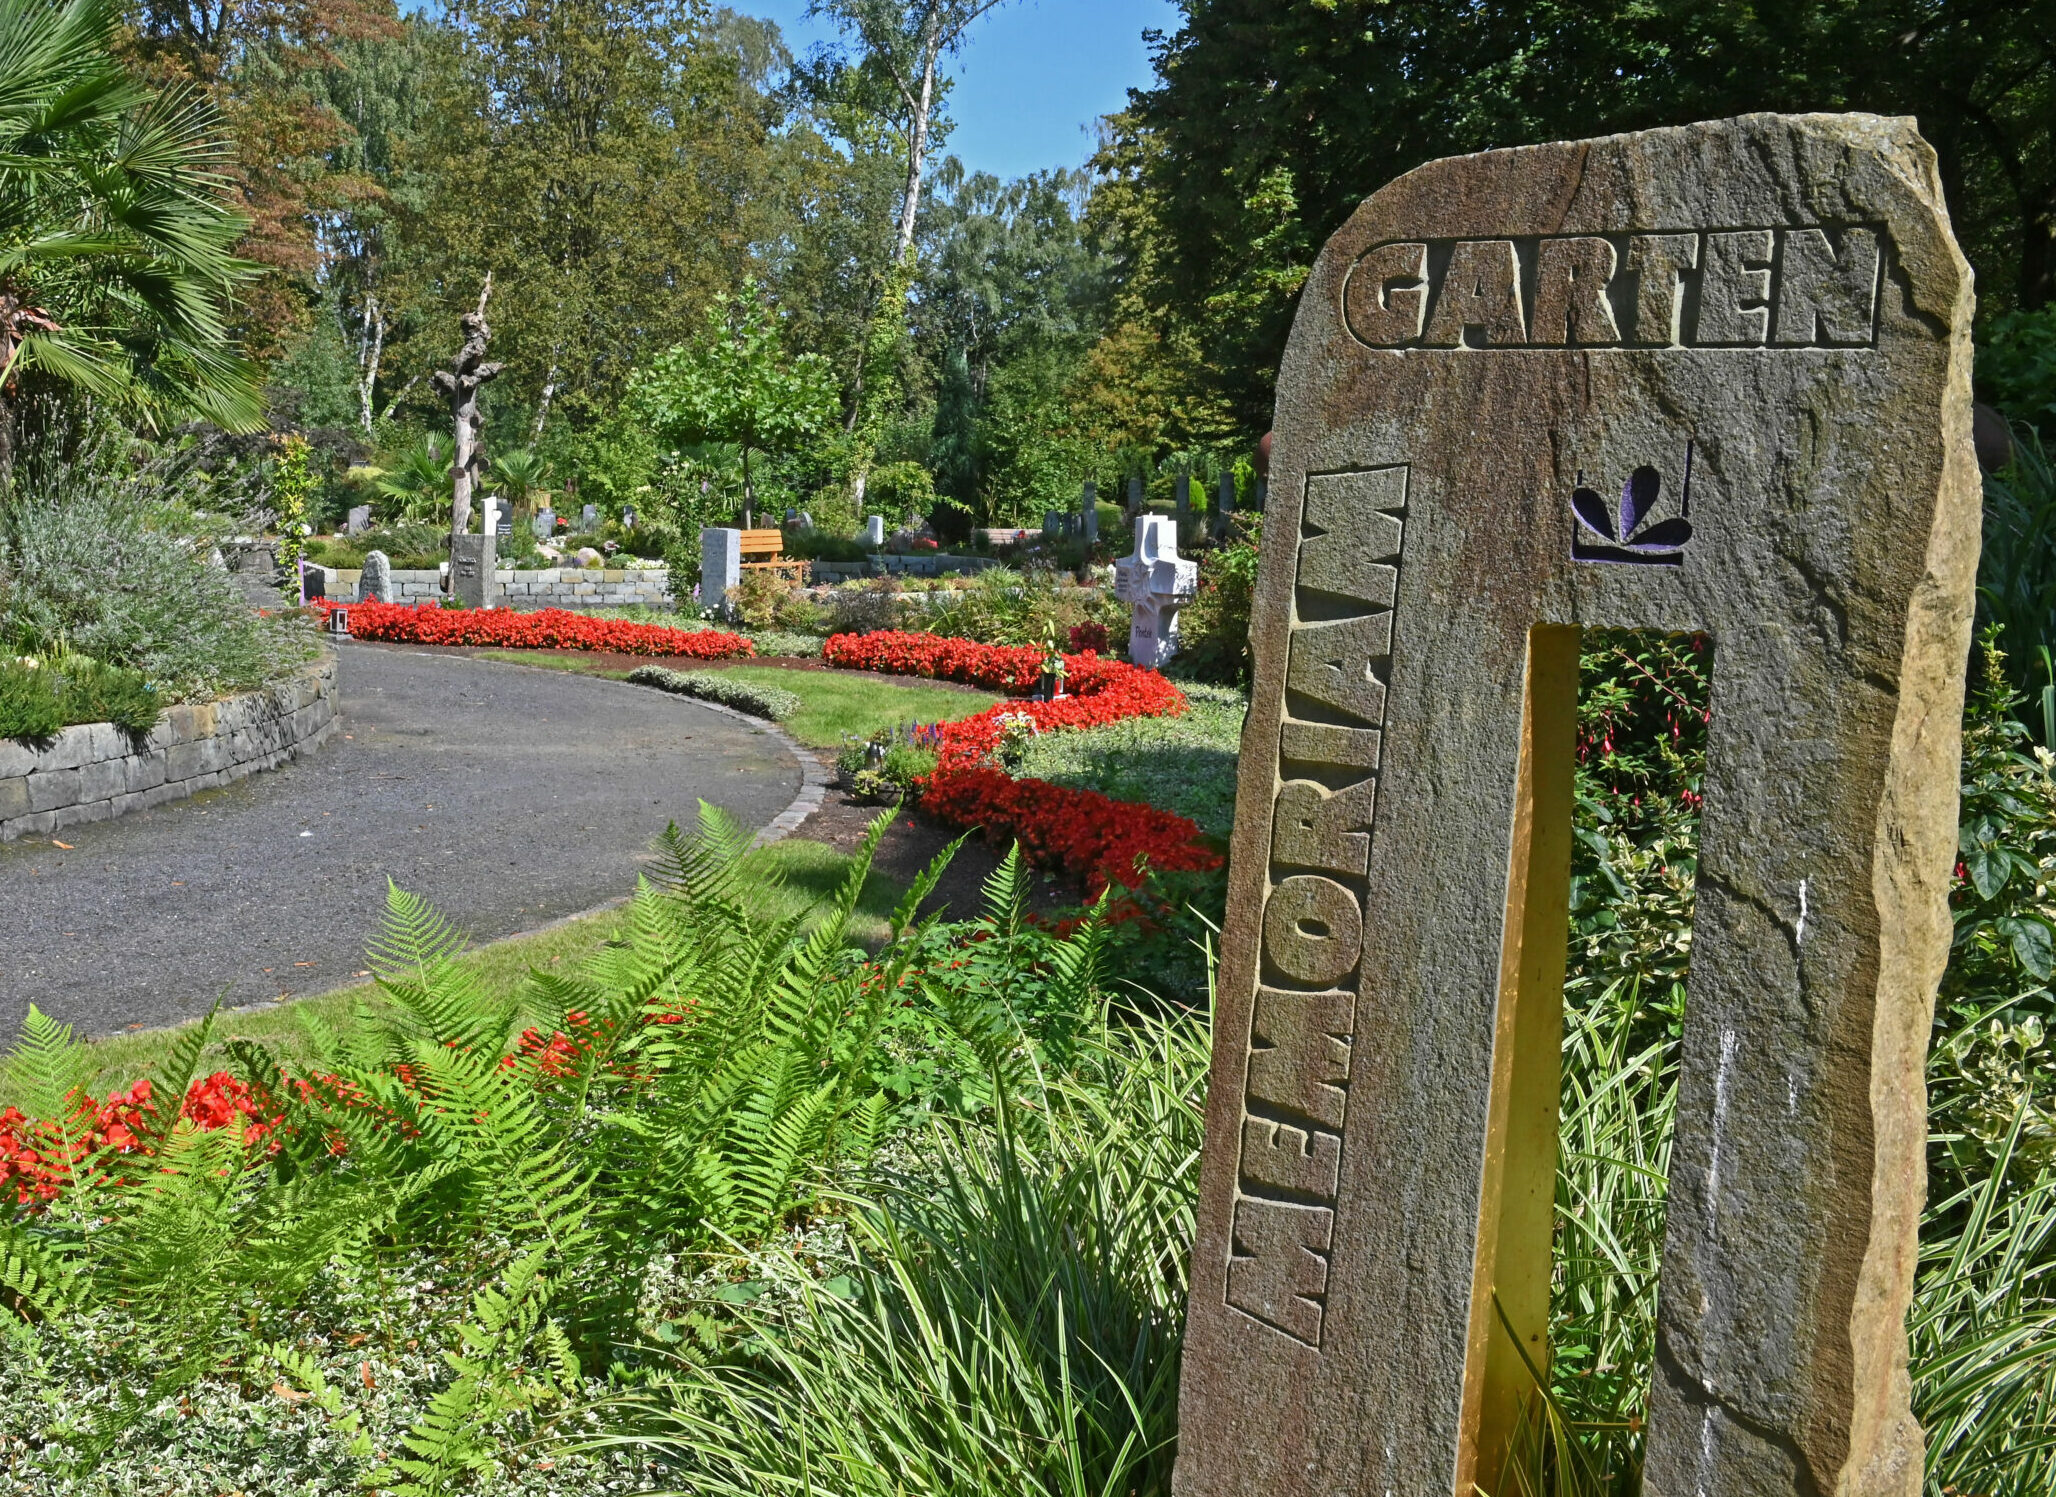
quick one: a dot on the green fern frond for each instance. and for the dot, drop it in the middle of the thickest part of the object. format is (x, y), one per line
(923, 886)
(172, 1077)
(48, 1072)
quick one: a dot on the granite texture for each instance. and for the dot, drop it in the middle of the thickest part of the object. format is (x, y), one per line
(1713, 378)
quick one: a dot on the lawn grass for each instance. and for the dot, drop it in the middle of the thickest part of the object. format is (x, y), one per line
(835, 703)
(1183, 764)
(808, 872)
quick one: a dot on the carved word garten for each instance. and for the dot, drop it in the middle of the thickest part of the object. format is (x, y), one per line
(1510, 413)
(1738, 288)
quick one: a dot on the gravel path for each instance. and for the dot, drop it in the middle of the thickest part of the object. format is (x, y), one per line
(507, 796)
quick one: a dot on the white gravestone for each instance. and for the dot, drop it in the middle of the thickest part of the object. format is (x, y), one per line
(720, 566)
(375, 582)
(874, 531)
(359, 520)
(1156, 585)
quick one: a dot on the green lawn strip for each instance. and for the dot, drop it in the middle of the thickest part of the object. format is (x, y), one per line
(808, 871)
(1182, 764)
(836, 703)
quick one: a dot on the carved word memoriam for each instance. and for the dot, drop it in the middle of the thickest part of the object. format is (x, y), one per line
(1727, 288)
(1328, 751)
(1465, 502)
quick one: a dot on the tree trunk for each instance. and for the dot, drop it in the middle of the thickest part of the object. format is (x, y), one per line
(369, 351)
(917, 144)
(542, 406)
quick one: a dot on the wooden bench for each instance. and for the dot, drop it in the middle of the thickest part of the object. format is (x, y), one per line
(768, 547)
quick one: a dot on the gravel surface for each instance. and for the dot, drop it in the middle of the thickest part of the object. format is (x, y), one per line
(508, 796)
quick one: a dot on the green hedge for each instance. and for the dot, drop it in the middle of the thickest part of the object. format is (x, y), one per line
(39, 698)
(708, 686)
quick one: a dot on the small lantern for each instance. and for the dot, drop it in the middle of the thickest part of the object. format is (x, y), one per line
(339, 621)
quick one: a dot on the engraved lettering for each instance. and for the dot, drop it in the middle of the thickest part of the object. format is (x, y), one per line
(1571, 277)
(1312, 828)
(1326, 743)
(1659, 262)
(1387, 294)
(1333, 664)
(1278, 1156)
(1313, 930)
(1481, 289)
(1277, 1265)
(1825, 298)
(1353, 535)
(1300, 1062)
(1734, 291)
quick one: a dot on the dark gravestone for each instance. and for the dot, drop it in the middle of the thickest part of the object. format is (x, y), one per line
(1711, 379)
(471, 570)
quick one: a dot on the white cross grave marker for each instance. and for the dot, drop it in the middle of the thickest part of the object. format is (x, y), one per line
(1155, 584)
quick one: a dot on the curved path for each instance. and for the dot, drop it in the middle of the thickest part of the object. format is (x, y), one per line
(508, 796)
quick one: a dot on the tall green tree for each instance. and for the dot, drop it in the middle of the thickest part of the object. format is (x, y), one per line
(116, 234)
(608, 166)
(736, 384)
(1328, 101)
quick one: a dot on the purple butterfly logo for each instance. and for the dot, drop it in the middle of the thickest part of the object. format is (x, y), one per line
(1606, 535)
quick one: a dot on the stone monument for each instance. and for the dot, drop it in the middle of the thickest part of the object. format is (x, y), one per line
(720, 566)
(544, 523)
(472, 577)
(375, 582)
(874, 531)
(1155, 584)
(1135, 497)
(589, 519)
(1088, 514)
(1712, 378)
(1224, 504)
(358, 521)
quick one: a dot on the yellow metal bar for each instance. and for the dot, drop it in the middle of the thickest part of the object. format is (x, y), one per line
(1516, 1209)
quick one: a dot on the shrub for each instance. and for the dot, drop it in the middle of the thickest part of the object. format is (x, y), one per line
(29, 708)
(756, 597)
(777, 642)
(709, 686)
(1214, 630)
(102, 560)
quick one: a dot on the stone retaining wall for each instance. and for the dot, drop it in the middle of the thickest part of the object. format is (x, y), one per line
(556, 587)
(96, 771)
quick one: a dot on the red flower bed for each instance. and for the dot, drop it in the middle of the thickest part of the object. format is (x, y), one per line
(1078, 832)
(995, 667)
(37, 1156)
(546, 629)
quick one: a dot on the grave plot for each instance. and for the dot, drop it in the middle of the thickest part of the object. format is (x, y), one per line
(1709, 380)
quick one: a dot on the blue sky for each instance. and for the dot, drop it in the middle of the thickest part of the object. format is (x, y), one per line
(1032, 78)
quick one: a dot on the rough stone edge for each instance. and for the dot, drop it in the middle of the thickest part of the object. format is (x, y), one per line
(84, 811)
